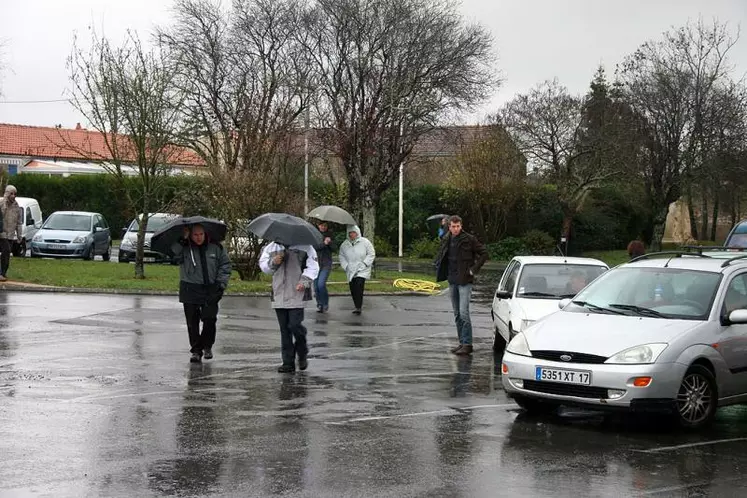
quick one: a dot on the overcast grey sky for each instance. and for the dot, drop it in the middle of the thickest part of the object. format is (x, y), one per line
(534, 40)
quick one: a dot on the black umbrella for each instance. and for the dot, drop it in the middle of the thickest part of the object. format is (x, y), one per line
(164, 238)
(285, 229)
(437, 217)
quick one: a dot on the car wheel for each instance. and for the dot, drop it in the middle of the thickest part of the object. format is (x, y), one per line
(107, 255)
(697, 398)
(535, 406)
(90, 254)
(499, 343)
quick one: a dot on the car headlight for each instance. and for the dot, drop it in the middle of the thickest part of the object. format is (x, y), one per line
(519, 345)
(525, 324)
(80, 239)
(38, 238)
(647, 353)
(126, 244)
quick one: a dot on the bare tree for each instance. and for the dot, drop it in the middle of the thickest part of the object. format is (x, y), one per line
(128, 95)
(486, 181)
(388, 71)
(246, 78)
(569, 140)
(670, 83)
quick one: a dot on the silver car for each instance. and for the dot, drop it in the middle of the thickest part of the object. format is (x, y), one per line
(666, 333)
(72, 234)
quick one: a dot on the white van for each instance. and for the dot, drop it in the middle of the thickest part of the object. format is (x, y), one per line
(31, 218)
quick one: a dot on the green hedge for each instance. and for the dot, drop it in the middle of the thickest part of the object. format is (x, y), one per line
(98, 193)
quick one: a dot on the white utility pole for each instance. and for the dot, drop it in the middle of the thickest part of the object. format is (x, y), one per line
(306, 164)
(400, 249)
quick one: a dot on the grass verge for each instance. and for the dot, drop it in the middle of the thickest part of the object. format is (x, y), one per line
(162, 278)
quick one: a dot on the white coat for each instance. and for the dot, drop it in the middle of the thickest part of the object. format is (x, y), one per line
(357, 256)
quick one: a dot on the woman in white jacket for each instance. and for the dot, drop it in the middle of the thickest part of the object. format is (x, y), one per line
(357, 256)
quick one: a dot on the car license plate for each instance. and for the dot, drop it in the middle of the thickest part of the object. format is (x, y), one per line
(149, 260)
(57, 246)
(563, 376)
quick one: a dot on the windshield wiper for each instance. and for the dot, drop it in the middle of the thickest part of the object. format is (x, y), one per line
(639, 310)
(595, 308)
(537, 294)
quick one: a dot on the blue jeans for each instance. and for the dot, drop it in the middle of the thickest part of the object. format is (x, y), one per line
(460, 296)
(320, 287)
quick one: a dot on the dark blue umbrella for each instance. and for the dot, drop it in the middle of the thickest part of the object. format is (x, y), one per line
(164, 238)
(285, 229)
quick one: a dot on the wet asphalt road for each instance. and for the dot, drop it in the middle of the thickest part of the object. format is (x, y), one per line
(97, 398)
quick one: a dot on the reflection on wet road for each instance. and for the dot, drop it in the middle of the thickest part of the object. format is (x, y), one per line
(97, 398)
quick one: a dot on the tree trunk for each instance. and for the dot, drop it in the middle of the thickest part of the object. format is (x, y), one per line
(704, 216)
(714, 217)
(659, 225)
(691, 212)
(565, 231)
(369, 219)
(140, 249)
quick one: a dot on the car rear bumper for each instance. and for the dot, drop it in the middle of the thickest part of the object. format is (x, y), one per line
(610, 387)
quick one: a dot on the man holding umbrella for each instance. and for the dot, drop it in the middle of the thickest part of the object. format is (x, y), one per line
(292, 261)
(204, 273)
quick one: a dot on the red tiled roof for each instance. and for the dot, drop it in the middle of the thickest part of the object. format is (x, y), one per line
(64, 143)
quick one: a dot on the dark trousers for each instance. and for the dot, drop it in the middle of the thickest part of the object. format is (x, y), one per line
(291, 328)
(5, 248)
(357, 285)
(208, 314)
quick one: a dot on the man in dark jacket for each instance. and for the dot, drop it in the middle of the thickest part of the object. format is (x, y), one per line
(459, 258)
(324, 256)
(204, 272)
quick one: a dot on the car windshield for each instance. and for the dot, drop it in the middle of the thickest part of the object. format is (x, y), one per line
(155, 223)
(652, 292)
(555, 281)
(68, 221)
(737, 240)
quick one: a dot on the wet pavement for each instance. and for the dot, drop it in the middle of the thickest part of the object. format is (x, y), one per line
(97, 398)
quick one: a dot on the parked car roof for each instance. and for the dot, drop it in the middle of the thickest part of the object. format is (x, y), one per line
(558, 260)
(90, 213)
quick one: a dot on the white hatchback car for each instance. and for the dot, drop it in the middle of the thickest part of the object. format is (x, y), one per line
(532, 286)
(665, 332)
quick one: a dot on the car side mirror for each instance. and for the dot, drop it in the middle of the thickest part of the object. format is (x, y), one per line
(736, 317)
(98, 229)
(501, 294)
(564, 302)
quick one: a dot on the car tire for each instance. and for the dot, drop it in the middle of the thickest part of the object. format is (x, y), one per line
(536, 407)
(697, 398)
(90, 255)
(107, 255)
(499, 343)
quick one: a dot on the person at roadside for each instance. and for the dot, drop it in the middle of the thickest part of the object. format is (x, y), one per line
(324, 253)
(459, 258)
(12, 228)
(357, 255)
(293, 271)
(204, 272)
(636, 249)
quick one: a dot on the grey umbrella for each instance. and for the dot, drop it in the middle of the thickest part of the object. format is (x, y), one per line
(285, 229)
(332, 213)
(164, 238)
(437, 217)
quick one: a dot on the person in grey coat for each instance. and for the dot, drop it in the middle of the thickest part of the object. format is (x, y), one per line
(293, 271)
(204, 273)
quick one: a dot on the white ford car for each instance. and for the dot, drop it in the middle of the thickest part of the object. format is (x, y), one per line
(532, 286)
(666, 332)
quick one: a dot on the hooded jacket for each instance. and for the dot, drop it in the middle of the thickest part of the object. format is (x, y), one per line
(201, 280)
(12, 225)
(357, 256)
(299, 266)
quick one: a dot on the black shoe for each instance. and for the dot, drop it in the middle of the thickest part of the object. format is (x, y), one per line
(454, 350)
(465, 350)
(286, 369)
(320, 309)
(195, 358)
(357, 311)
(208, 354)
(303, 363)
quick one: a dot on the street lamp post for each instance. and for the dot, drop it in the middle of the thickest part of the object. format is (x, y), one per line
(400, 214)
(306, 164)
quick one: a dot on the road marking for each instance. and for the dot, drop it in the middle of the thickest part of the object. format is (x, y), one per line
(452, 411)
(691, 445)
(387, 345)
